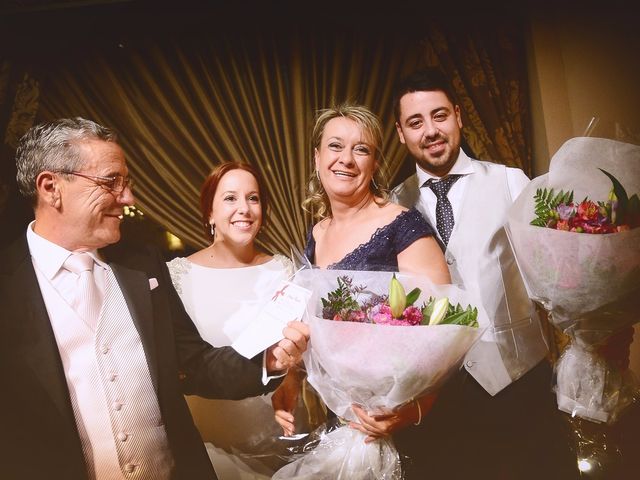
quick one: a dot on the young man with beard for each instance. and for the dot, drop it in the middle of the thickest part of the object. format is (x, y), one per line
(497, 418)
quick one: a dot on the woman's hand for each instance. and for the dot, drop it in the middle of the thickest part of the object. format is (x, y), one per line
(285, 399)
(376, 426)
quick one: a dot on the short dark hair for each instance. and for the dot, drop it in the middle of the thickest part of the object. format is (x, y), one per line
(210, 186)
(425, 80)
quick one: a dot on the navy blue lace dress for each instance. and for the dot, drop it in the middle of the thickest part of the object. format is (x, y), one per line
(380, 253)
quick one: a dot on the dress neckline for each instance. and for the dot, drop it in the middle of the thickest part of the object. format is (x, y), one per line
(245, 267)
(379, 231)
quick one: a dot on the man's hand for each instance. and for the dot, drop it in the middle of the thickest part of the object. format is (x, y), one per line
(288, 351)
(285, 399)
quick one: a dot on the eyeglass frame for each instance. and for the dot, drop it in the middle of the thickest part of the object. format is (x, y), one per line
(126, 181)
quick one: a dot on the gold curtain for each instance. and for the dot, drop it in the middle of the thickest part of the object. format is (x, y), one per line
(19, 101)
(181, 108)
(487, 68)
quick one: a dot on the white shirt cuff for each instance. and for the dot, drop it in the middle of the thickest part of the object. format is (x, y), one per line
(265, 377)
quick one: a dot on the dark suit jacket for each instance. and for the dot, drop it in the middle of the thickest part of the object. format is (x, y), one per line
(39, 438)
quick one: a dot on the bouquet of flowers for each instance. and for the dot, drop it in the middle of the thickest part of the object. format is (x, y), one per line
(376, 346)
(581, 262)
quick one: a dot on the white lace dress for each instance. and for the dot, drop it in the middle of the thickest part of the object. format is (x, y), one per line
(241, 436)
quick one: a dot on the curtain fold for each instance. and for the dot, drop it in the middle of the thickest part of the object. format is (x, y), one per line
(182, 106)
(487, 69)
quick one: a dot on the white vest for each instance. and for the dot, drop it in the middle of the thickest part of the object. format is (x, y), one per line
(112, 395)
(480, 257)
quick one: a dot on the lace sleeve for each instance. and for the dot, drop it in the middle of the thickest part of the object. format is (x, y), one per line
(177, 268)
(286, 263)
(411, 227)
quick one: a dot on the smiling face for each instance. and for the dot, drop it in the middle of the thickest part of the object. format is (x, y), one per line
(90, 213)
(429, 125)
(345, 160)
(236, 209)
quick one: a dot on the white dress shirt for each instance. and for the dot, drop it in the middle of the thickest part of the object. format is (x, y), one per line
(113, 400)
(516, 181)
(480, 258)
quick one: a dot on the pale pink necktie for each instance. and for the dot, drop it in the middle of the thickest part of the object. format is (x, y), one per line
(87, 301)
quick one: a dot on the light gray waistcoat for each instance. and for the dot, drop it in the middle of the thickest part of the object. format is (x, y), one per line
(480, 257)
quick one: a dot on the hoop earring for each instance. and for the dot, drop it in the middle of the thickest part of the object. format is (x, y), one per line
(375, 185)
(318, 176)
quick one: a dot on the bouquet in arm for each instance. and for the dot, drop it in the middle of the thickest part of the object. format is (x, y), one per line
(374, 345)
(581, 262)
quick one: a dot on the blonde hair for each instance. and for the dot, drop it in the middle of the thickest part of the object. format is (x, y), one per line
(317, 202)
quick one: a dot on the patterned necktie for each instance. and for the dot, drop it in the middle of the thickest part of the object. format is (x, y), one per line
(444, 212)
(87, 301)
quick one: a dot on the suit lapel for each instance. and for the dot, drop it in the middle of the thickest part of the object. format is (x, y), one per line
(134, 285)
(36, 344)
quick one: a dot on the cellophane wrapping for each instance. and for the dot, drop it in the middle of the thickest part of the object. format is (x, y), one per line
(380, 367)
(589, 283)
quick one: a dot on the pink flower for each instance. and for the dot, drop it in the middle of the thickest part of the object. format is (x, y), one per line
(412, 315)
(399, 321)
(381, 314)
(357, 316)
(350, 316)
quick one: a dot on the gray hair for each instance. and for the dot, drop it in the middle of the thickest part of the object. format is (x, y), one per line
(53, 147)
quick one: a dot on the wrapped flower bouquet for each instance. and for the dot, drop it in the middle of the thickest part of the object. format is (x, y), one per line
(577, 242)
(374, 345)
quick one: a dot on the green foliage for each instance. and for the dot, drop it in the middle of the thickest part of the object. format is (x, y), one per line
(340, 301)
(456, 314)
(546, 202)
(412, 296)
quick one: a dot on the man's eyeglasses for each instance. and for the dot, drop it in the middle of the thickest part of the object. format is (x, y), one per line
(116, 184)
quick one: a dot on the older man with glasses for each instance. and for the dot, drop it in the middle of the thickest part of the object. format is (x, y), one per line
(95, 347)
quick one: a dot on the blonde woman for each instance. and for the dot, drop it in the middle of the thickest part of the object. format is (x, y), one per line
(358, 228)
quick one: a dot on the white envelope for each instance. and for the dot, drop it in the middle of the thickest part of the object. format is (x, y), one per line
(287, 303)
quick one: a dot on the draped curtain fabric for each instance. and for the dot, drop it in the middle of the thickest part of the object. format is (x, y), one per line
(180, 109)
(19, 101)
(184, 106)
(488, 72)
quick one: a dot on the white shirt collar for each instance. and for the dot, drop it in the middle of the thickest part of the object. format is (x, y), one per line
(49, 256)
(462, 166)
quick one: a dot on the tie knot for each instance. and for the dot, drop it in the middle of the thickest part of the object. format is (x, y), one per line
(78, 263)
(441, 187)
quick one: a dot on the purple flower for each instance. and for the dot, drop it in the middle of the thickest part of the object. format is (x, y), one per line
(566, 211)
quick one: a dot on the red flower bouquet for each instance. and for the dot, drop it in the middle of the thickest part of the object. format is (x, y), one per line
(584, 267)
